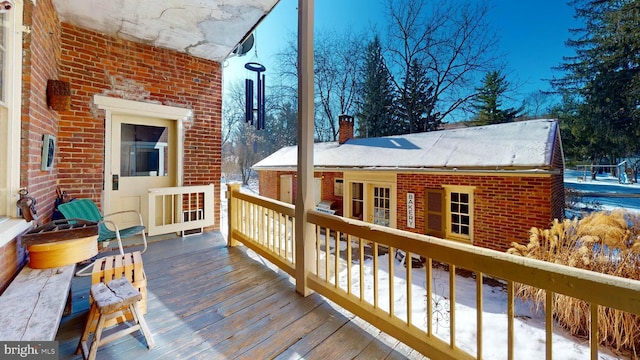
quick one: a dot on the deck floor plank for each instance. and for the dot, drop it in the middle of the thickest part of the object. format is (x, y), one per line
(207, 301)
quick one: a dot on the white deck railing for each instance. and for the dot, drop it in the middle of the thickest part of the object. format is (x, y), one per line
(179, 209)
(351, 269)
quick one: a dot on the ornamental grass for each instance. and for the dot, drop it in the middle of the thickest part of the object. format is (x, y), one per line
(604, 242)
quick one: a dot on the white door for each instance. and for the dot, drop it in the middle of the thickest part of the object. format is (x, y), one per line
(143, 156)
(286, 188)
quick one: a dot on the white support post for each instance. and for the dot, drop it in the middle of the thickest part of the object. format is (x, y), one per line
(305, 239)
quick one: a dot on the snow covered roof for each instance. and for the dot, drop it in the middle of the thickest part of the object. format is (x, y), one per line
(524, 144)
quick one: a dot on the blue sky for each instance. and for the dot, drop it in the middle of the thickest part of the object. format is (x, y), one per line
(531, 35)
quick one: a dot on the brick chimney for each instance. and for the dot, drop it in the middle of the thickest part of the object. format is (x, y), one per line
(345, 130)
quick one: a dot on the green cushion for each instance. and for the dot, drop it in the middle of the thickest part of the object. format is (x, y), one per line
(86, 209)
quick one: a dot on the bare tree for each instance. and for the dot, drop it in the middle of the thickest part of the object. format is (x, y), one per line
(452, 41)
(232, 110)
(336, 65)
(536, 103)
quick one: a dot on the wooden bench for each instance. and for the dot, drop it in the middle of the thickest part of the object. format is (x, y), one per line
(33, 304)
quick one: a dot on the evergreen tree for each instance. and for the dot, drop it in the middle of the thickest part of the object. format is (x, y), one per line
(488, 102)
(375, 117)
(416, 103)
(604, 78)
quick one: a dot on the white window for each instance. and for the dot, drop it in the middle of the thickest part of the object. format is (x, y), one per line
(10, 96)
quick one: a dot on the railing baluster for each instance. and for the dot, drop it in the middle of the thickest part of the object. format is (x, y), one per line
(287, 250)
(391, 275)
(452, 305)
(277, 236)
(548, 318)
(337, 258)
(510, 320)
(327, 255)
(593, 343)
(292, 241)
(479, 305)
(318, 250)
(429, 290)
(269, 230)
(173, 206)
(349, 255)
(375, 275)
(361, 249)
(409, 282)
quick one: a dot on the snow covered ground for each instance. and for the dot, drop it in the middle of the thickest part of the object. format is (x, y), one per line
(605, 185)
(529, 326)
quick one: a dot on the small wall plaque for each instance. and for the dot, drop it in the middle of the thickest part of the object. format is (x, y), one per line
(48, 150)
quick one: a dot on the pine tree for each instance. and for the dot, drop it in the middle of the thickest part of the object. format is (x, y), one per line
(375, 117)
(604, 77)
(416, 103)
(488, 102)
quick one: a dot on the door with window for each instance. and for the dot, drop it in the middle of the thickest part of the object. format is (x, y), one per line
(143, 156)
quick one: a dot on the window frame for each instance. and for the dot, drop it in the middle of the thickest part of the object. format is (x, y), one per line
(10, 112)
(449, 234)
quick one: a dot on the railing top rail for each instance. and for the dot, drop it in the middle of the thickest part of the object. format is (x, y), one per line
(180, 189)
(278, 206)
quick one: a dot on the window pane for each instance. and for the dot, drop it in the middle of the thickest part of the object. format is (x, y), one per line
(4, 157)
(357, 202)
(381, 206)
(144, 150)
(460, 213)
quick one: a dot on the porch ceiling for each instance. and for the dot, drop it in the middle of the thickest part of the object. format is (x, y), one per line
(208, 29)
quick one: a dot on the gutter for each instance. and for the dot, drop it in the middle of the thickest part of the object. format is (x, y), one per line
(513, 171)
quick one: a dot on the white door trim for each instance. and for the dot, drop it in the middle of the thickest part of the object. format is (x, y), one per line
(118, 106)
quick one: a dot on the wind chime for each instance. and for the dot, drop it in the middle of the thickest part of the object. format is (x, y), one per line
(259, 109)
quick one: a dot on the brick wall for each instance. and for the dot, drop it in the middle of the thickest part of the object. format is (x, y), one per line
(41, 57)
(269, 184)
(97, 64)
(40, 63)
(505, 207)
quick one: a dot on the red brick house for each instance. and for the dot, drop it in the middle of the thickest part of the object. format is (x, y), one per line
(90, 76)
(484, 185)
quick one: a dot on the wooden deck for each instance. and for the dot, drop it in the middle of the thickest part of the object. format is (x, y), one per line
(212, 302)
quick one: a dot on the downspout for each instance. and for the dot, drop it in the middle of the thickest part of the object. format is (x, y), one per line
(304, 233)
